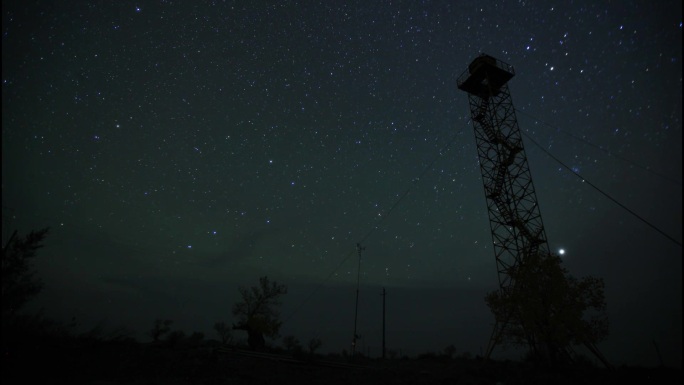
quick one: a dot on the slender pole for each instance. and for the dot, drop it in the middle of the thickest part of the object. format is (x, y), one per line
(4, 249)
(383, 322)
(660, 358)
(356, 308)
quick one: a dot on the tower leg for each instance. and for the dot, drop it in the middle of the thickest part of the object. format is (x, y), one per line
(493, 340)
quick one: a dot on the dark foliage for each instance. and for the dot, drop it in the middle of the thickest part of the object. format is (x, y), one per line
(19, 284)
(548, 310)
(161, 327)
(46, 348)
(257, 313)
(224, 331)
(314, 344)
(292, 344)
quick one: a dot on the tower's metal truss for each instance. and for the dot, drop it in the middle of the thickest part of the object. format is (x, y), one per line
(514, 216)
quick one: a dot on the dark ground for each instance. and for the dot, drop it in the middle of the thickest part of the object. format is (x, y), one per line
(131, 363)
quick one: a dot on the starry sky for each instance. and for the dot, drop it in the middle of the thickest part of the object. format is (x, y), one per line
(179, 149)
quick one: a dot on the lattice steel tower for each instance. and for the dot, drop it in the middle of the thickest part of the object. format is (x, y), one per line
(514, 216)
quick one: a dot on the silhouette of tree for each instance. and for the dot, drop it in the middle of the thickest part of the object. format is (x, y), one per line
(160, 328)
(291, 344)
(19, 284)
(196, 338)
(175, 338)
(224, 332)
(449, 351)
(257, 312)
(314, 344)
(548, 310)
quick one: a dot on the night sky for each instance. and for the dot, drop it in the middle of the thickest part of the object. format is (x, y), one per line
(179, 149)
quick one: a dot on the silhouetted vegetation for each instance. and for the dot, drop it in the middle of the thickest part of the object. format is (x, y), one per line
(224, 332)
(161, 327)
(449, 351)
(548, 310)
(36, 348)
(112, 357)
(257, 313)
(314, 344)
(292, 344)
(19, 283)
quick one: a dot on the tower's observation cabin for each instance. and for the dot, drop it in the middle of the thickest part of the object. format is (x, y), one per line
(485, 76)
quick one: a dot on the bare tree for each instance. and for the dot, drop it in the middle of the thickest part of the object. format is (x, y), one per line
(449, 351)
(257, 313)
(224, 332)
(314, 344)
(291, 344)
(160, 328)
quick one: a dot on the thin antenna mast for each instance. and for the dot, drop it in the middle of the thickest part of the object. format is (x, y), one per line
(359, 249)
(384, 294)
